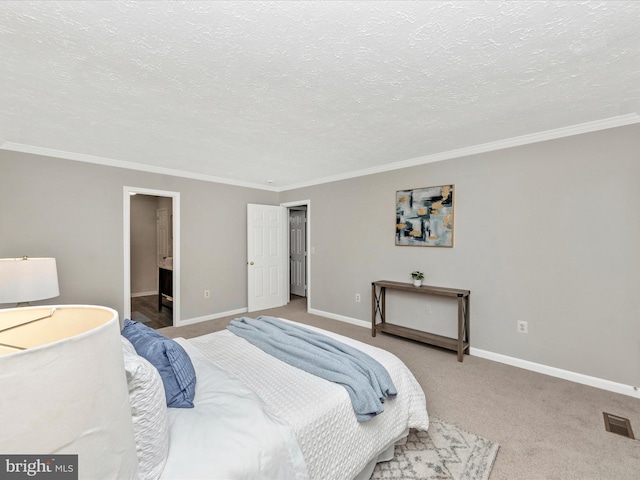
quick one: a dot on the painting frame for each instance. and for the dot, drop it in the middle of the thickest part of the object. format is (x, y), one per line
(425, 216)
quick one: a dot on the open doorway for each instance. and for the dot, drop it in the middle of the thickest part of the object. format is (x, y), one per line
(151, 257)
(299, 250)
(298, 253)
(270, 260)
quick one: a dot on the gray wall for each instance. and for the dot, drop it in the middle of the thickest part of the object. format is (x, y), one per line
(74, 211)
(547, 233)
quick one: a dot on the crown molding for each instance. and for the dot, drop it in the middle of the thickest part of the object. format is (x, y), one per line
(619, 121)
(80, 157)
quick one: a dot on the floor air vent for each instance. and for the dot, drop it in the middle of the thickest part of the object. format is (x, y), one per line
(619, 425)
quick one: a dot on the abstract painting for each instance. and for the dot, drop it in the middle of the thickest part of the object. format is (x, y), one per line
(424, 217)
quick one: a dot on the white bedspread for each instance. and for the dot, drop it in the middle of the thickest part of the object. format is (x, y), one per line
(229, 434)
(333, 444)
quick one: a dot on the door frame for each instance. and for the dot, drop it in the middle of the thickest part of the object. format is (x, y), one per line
(287, 247)
(299, 213)
(175, 196)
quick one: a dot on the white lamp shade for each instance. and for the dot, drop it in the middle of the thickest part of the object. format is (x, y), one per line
(66, 392)
(28, 279)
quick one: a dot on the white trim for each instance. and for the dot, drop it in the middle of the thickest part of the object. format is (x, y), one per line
(191, 321)
(603, 124)
(600, 383)
(340, 318)
(110, 162)
(126, 216)
(559, 373)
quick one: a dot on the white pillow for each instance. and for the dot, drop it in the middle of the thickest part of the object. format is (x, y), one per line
(148, 412)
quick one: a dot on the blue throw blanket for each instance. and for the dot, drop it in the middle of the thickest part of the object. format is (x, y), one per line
(366, 380)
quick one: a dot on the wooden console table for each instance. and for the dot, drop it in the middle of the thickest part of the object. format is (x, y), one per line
(460, 344)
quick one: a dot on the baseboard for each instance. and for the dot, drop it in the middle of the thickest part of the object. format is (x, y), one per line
(559, 373)
(341, 318)
(144, 294)
(517, 362)
(191, 321)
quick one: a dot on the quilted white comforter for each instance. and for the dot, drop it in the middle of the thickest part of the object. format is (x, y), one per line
(308, 423)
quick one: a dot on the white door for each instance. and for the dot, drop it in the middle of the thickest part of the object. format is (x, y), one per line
(297, 253)
(265, 278)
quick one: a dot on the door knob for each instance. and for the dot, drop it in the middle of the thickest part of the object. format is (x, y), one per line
(250, 263)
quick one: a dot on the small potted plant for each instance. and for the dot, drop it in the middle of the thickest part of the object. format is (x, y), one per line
(417, 278)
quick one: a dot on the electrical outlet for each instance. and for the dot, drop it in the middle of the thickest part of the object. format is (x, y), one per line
(523, 327)
(357, 297)
(207, 293)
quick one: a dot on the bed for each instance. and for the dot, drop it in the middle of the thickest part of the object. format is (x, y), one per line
(255, 417)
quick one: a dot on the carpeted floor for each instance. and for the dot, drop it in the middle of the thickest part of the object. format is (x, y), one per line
(547, 428)
(444, 452)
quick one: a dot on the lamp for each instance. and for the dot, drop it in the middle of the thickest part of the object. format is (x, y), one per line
(64, 389)
(24, 280)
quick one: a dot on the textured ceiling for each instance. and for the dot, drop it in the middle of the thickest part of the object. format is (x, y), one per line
(298, 92)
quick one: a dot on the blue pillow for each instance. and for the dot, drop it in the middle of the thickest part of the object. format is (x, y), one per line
(171, 360)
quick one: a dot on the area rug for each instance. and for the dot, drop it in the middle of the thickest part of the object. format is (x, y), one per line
(140, 317)
(443, 452)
